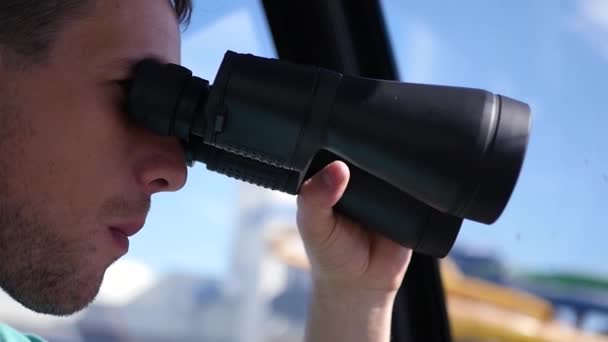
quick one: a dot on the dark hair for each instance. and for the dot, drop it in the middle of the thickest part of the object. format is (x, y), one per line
(183, 10)
(28, 27)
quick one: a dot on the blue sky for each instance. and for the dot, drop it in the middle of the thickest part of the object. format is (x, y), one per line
(551, 54)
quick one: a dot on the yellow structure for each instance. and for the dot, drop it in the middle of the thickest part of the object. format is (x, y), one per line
(483, 311)
(479, 311)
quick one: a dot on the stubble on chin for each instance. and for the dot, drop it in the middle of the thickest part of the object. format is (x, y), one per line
(39, 268)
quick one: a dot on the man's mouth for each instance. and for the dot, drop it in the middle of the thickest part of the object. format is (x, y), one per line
(129, 228)
(122, 231)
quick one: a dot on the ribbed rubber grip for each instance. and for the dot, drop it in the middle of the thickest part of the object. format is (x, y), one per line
(252, 171)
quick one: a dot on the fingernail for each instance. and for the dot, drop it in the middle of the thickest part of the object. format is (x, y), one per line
(328, 178)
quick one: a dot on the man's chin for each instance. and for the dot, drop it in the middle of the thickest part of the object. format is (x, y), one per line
(66, 307)
(63, 300)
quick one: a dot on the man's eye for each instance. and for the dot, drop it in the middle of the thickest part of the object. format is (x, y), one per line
(124, 84)
(122, 94)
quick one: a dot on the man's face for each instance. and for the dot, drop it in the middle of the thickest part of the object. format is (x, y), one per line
(75, 174)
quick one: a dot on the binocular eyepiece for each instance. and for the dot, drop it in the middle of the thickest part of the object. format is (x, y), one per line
(422, 157)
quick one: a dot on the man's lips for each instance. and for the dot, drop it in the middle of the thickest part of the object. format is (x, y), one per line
(128, 228)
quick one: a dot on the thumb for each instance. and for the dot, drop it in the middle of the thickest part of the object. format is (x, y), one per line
(316, 199)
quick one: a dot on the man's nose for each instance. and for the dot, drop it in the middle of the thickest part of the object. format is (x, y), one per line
(163, 169)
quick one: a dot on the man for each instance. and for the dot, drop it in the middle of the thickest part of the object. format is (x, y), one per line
(76, 176)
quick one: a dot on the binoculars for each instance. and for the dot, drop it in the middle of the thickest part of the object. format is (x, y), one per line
(422, 158)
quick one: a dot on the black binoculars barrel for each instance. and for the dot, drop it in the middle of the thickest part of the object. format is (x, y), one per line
(422, 157)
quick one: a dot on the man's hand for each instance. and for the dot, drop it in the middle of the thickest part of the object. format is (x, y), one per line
(356, 272)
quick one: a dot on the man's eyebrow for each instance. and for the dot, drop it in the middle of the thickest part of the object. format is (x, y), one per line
(123, 65)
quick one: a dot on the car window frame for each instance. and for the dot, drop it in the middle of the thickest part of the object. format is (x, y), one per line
(351, 37)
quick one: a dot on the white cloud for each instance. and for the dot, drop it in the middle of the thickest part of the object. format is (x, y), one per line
(595, 12)
(123, 281)
(252, 196)
(591, 20)
(13, 313)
